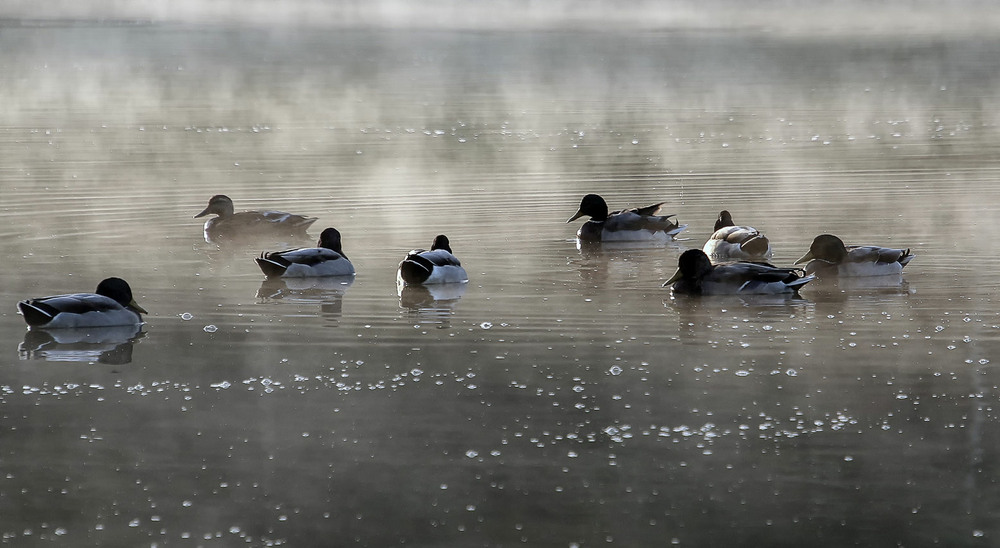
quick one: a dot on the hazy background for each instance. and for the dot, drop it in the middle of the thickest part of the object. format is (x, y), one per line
(782, 16)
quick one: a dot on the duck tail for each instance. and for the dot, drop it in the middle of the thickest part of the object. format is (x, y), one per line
(270, 267)
(415, 269)
(36, 313)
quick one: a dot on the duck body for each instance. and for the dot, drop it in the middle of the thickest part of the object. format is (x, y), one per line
(111, 305)
(627, 225)
(731, 242)
(829, 257)
(696, 275)
(230, 224)
(327, 259)
(435, 266)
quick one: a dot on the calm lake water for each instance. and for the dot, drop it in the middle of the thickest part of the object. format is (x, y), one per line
(563, 398)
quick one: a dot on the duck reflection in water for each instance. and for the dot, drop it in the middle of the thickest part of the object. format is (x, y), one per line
(328, 292)
(432, 304)
(108, 345)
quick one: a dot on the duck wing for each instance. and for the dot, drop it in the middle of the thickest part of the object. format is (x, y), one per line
(631, 219)
(877, 254)
(42, 310)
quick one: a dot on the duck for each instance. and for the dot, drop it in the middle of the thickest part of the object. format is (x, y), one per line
(230, 224)
(326, 259)
(696, 275)
(828, 257)
(729, 241)
(438, 265)
(110, 305)
(636, 224)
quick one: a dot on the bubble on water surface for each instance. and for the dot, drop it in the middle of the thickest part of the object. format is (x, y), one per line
(210, 328)
(615, 370)
(186, 316)
(486, 325)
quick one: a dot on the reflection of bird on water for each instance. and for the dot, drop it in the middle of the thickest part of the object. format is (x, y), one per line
(326, 291)
(636, 224)
(110, 345)
(432, 303)
(696, 275)
(230, 225)
(436, 266)
(733, 242)
(111, 304)
(828, 256)
(327, 259)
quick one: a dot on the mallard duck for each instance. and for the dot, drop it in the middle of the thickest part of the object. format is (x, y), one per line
(230, 224)
(736, 242)
(636, 224)
(112, 304)
(697, 275)
(431, 267)
(326, 259)
(828, 256)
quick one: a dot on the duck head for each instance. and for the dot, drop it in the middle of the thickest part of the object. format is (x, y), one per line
(692, 265)
(825, 247)
(593, 206)
(724, 220)
(441, 242)
(220, 204)
(119, 290)
(330, 239)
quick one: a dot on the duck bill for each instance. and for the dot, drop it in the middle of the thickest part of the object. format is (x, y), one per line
(134, 305)
(577, 216)
(203, 213)
(805, 258)
(676, 277)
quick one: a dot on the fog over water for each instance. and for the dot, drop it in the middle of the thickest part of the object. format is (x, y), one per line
(562, 397)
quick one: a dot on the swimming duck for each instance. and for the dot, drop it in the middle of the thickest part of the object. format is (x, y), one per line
(636, 224)
(431, 267)
(736, 242)
(828, 256)
(112, 304)
(230, 224)
(696, 275)
(326, 259)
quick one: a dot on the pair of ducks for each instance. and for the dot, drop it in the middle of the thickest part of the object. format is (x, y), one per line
(696, 274)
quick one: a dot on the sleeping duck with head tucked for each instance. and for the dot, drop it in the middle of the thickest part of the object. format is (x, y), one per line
(231, 224)
(111, 305)
(628, 225)
(731, 242)
(696, 275)
(829, 257)
(326, 259)
(435, 266)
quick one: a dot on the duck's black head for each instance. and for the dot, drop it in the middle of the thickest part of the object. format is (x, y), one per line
(593, 206)
(724, 220)
(441, 242)
(692, 266)
(330, 239)
(220, 204)
(119, 290)
(825, 247)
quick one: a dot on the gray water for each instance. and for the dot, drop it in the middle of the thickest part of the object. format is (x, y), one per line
(564, 398)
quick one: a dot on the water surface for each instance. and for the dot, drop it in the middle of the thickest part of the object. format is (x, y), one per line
(562, 398)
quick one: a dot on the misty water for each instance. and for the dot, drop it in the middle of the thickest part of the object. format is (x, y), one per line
(561, 398)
